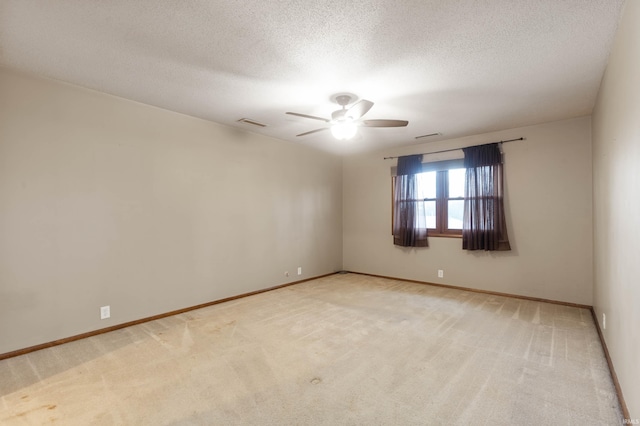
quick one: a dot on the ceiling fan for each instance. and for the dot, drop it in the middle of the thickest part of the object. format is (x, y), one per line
(344, 122)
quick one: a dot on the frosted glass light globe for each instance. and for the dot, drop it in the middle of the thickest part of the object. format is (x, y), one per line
(344, 130)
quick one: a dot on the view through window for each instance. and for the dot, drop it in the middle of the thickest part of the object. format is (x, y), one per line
(441, 201)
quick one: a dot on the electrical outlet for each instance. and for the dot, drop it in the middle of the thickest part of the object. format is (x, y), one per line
(440, 273)
(299, 270)
(604, 321)
(105, 312)
(286, 273)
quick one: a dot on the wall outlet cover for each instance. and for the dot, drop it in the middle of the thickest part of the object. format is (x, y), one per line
(105, 312)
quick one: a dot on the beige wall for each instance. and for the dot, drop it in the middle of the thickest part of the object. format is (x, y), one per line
(104, 201)
(616, 161)
(548, 207)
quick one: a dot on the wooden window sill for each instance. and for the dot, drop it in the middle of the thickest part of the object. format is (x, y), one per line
(433, 234)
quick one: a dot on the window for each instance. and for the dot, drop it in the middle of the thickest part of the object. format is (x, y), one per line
(441, 198)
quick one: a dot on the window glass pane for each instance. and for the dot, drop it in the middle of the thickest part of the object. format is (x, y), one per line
(456, 183)
(427, 214)
(427, 185)
(455, 211)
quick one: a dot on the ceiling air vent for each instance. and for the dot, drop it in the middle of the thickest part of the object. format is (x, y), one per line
(252, 122)
(430, 134)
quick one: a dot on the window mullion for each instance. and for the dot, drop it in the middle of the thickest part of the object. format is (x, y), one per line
(445, 201)
(441, 179)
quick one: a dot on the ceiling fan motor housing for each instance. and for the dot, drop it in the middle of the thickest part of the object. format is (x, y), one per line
(343, 101)
(339, 115)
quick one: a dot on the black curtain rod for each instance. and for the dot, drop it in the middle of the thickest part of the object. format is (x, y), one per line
(458, 149)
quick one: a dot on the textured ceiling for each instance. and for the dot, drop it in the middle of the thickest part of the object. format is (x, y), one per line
(453, 67)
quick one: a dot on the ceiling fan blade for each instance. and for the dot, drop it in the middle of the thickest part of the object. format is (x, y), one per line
(384, 123)
(359, 109)
(313, 131)
(308, 116)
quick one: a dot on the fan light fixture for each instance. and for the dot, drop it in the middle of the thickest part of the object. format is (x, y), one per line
(344, 122)
(344, 130)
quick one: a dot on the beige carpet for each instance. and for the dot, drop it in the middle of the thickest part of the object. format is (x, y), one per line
(345, 349)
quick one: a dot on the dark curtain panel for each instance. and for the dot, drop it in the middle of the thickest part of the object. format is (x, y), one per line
(406, 229)
(484, 226)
